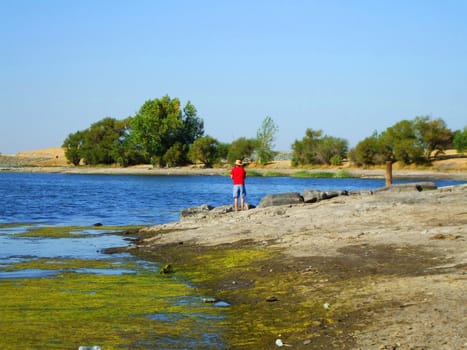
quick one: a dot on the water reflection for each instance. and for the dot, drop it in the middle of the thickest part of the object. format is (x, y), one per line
(28, 273)
(17, 249)
(71, 248)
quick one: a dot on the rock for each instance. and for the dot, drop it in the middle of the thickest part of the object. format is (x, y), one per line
(280, 199)
(167, 269)
(195, 212)
(223, 209)
(271, 299)
(450, 237)
(413, 186)
(210, 300)
(330, 194)
(313, 196)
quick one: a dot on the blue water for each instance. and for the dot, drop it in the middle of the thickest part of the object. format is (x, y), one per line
(65, 199)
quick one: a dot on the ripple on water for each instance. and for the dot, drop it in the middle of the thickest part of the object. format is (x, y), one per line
(28, 273)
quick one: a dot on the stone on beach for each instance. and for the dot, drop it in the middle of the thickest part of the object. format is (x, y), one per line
(288, 198)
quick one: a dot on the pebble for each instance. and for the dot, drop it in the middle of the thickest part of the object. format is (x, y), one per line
(209, 300)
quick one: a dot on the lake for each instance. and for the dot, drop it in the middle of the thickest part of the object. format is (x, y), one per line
(69, 199)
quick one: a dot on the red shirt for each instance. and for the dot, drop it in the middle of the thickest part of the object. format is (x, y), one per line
(238, 175)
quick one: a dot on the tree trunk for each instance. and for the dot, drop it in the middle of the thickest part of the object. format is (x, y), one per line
(388, 173)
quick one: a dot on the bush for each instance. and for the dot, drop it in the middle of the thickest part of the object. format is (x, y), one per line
(336, 159)
(315, 148)
(460, 140)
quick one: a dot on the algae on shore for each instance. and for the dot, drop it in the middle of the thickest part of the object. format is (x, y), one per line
(138, 310)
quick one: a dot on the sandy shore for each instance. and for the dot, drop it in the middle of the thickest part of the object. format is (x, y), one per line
(147, 170)
(395, 261)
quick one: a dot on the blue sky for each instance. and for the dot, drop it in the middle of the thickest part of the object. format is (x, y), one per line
(345, 67)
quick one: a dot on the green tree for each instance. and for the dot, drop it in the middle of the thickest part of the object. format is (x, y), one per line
(433, 135)
(98, 144)
(125, 152)
(460, 140)
(303, 151)
(400, 143)
(240, 149)
(72, 146)
(156, 126)
(204, 150)
(331, 150)
(175, 155)
(315, 148)
(265, 140)
(223, 151)
(369, 151)
(407, 141)
(193, 126)
(160, 124)
(100, 141)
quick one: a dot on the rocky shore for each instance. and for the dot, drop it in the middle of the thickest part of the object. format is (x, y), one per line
(368, 270)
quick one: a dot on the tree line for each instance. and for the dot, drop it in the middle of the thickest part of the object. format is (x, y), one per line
(164, 133)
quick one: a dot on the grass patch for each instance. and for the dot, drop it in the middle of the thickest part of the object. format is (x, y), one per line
(313, 175)
(322, 174)
(274, 174)
(343, 174)
(253, 173)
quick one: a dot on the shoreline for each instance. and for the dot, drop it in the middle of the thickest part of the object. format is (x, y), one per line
(148, 170)
(389, 265)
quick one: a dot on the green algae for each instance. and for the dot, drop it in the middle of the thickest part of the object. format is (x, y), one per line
(267, 300)
(270, 297)
(14, 224)
(71, 231)
(69, 264)
(74, 309)
(316, 302)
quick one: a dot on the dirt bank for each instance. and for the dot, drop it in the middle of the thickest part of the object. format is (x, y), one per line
(367, 271)
(53, 160)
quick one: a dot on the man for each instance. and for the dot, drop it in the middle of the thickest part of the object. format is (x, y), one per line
(238, 175)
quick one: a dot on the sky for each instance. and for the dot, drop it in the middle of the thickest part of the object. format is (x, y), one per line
(346, 67)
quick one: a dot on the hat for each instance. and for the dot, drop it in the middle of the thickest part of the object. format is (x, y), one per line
(238, 162)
